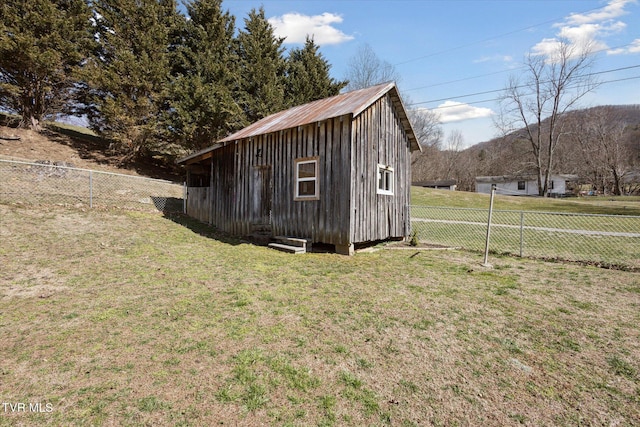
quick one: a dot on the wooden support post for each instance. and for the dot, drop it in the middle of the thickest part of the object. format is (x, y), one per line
(210, 198)
(345, 249)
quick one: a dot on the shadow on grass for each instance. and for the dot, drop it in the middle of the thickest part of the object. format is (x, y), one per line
(171, 208)
(168, 204)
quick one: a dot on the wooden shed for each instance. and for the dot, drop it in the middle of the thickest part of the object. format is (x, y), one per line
(335, 171)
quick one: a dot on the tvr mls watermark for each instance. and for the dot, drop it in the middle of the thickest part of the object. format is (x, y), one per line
(39, 407)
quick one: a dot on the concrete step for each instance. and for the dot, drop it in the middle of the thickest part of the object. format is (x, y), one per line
(288, 248)
(294, 241)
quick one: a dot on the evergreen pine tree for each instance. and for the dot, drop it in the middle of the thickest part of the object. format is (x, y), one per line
(42, 46)
(308, 76)
(129, 76)
(262, 68)
(206, 78)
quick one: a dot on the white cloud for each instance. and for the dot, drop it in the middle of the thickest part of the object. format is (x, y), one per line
(633, 47)
(613, 10)
(452, 111)
(508, 59)
(295, 27)
(586, 31)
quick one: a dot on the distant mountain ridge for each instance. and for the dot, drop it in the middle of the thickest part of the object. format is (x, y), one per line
(511, 154)
(629, 114)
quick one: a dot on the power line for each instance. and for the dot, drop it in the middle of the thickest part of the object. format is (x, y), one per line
(444, 107)
(502, 71)
(501, 90)
(491, 38)
(464, 79)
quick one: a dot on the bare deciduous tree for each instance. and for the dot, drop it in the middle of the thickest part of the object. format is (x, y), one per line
(454, 144)
(605, 154)
(426, 125)
(536, 103)
(366, 69)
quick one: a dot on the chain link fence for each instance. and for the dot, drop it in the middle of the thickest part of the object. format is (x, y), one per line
(54, 183)
(612, 240)
(609, 240)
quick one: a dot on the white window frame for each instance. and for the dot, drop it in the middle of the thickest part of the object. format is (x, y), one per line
(387, 170)
(315, 179)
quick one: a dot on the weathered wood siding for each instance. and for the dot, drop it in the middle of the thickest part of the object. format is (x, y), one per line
(238, 181)
(379, 138)
(327, 219)
(246, 172)
(198, 204)
(223, 188)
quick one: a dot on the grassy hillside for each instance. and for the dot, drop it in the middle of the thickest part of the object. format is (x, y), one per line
(123, 318)
(81, 148)
(627, 205)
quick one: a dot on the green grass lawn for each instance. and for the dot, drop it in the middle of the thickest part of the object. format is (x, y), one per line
(129, 318)
(622, 205)
(566, 229)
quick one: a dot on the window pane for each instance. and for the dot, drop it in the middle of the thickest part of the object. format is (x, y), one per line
(306, 188)
(307, 170)
(385, 180)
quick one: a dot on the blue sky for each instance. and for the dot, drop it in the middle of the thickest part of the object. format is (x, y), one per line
(447, 51)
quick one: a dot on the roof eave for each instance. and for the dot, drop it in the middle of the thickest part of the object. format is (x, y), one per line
(199, 155)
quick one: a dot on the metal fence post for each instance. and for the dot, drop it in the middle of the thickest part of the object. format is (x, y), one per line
(486, 245)
(91, 189)
(521, 233)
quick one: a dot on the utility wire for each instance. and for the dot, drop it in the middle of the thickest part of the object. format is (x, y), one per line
(500, 72)
(522, 86)
(491, 38)
(444, 107)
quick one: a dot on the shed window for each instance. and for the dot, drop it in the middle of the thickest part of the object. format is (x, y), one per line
(520, 185)
(307, 179)
(385, 179)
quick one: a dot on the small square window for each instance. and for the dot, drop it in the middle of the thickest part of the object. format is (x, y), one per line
(306, 170)
(385, 180)
(521, 185)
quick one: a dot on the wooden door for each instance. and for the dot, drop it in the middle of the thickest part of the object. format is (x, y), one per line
(262, 194)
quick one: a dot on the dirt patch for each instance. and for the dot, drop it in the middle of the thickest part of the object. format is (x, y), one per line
(34, 282)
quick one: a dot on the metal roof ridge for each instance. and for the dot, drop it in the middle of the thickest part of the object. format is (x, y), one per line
(335, 107)
(348, 103)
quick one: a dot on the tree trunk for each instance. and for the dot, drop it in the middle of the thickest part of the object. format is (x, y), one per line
(617, 184)
(31, 112)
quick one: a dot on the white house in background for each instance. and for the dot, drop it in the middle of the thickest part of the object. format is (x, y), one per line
(447, 184)
(524, 185)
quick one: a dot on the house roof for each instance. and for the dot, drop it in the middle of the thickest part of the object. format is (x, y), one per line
(511, 178)
(348, 103)
(440, 183)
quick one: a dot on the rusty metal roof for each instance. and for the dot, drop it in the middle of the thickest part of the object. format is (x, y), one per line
(352, 103)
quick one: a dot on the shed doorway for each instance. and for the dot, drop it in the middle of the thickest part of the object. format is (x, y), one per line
(262, 196)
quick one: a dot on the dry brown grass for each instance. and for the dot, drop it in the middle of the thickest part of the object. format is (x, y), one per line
(80, 148)
(121, 318)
